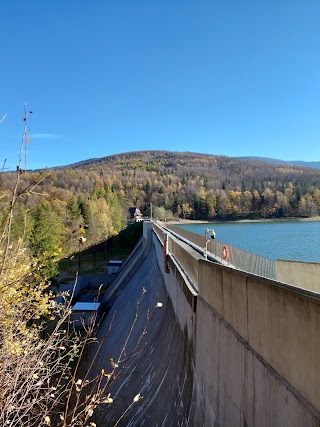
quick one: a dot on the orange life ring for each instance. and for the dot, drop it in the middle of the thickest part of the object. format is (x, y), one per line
(225, 252)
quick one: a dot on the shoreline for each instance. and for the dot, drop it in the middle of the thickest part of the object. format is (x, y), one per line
(198, 221)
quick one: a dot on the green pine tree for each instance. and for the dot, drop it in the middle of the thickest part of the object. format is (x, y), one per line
(46, 240)
(73, 208)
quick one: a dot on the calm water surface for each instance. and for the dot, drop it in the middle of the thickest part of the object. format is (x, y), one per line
(292, 240)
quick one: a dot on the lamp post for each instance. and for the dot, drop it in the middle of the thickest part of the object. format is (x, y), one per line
(208, 234)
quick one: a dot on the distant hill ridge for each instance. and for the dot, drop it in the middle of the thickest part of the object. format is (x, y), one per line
(313, 165)
(175, 154)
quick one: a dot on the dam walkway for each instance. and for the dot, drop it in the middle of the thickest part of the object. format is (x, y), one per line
(199, 343)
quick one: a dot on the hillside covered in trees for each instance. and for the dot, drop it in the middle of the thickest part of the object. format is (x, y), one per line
(98, 193)
(199, 186)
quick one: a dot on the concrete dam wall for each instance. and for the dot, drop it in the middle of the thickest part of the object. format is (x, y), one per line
(210, 346)
(157, 364)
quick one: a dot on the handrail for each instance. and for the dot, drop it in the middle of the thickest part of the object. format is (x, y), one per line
(229, 255)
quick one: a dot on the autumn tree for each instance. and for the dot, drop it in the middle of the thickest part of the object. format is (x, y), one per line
(40, 353)
(46, 240)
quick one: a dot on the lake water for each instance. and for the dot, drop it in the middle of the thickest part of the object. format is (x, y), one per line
(292, 240)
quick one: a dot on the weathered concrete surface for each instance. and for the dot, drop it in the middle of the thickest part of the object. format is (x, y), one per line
(187, 257)
(161, 369)
(249, 356)
(237, 387)
(302, 274)
(257, 346)
(283, 327)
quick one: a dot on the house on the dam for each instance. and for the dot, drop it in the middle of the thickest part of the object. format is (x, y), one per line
(135, 214)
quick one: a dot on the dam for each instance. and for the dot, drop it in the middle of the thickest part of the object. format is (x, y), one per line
(194, 342)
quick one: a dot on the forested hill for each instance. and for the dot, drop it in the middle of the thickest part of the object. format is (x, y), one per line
(299, 163)
(202, 186)
(314, 165)
(187, 185)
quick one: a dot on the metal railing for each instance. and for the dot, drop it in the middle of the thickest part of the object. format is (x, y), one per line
(227, 254)
(158, 230)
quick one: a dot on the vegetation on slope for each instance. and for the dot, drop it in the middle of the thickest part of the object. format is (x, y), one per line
(97, 193)
(187, 185)
(52, 214)
(40, 351)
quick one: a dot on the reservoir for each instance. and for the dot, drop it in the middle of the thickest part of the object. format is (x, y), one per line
(290, 240)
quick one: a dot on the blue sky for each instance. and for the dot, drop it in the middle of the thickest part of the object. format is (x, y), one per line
(232, 77)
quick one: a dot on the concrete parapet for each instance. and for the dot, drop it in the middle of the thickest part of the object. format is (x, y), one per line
(187, 259)
(256, 347)
(248, 356)
(183, 299)
(283, 327)
(225, 291)
(280, 326)
(302, 274)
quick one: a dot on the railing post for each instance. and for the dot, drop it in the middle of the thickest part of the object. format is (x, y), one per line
(165, 252)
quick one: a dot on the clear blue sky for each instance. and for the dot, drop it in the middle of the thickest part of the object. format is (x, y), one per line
(226, 77)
